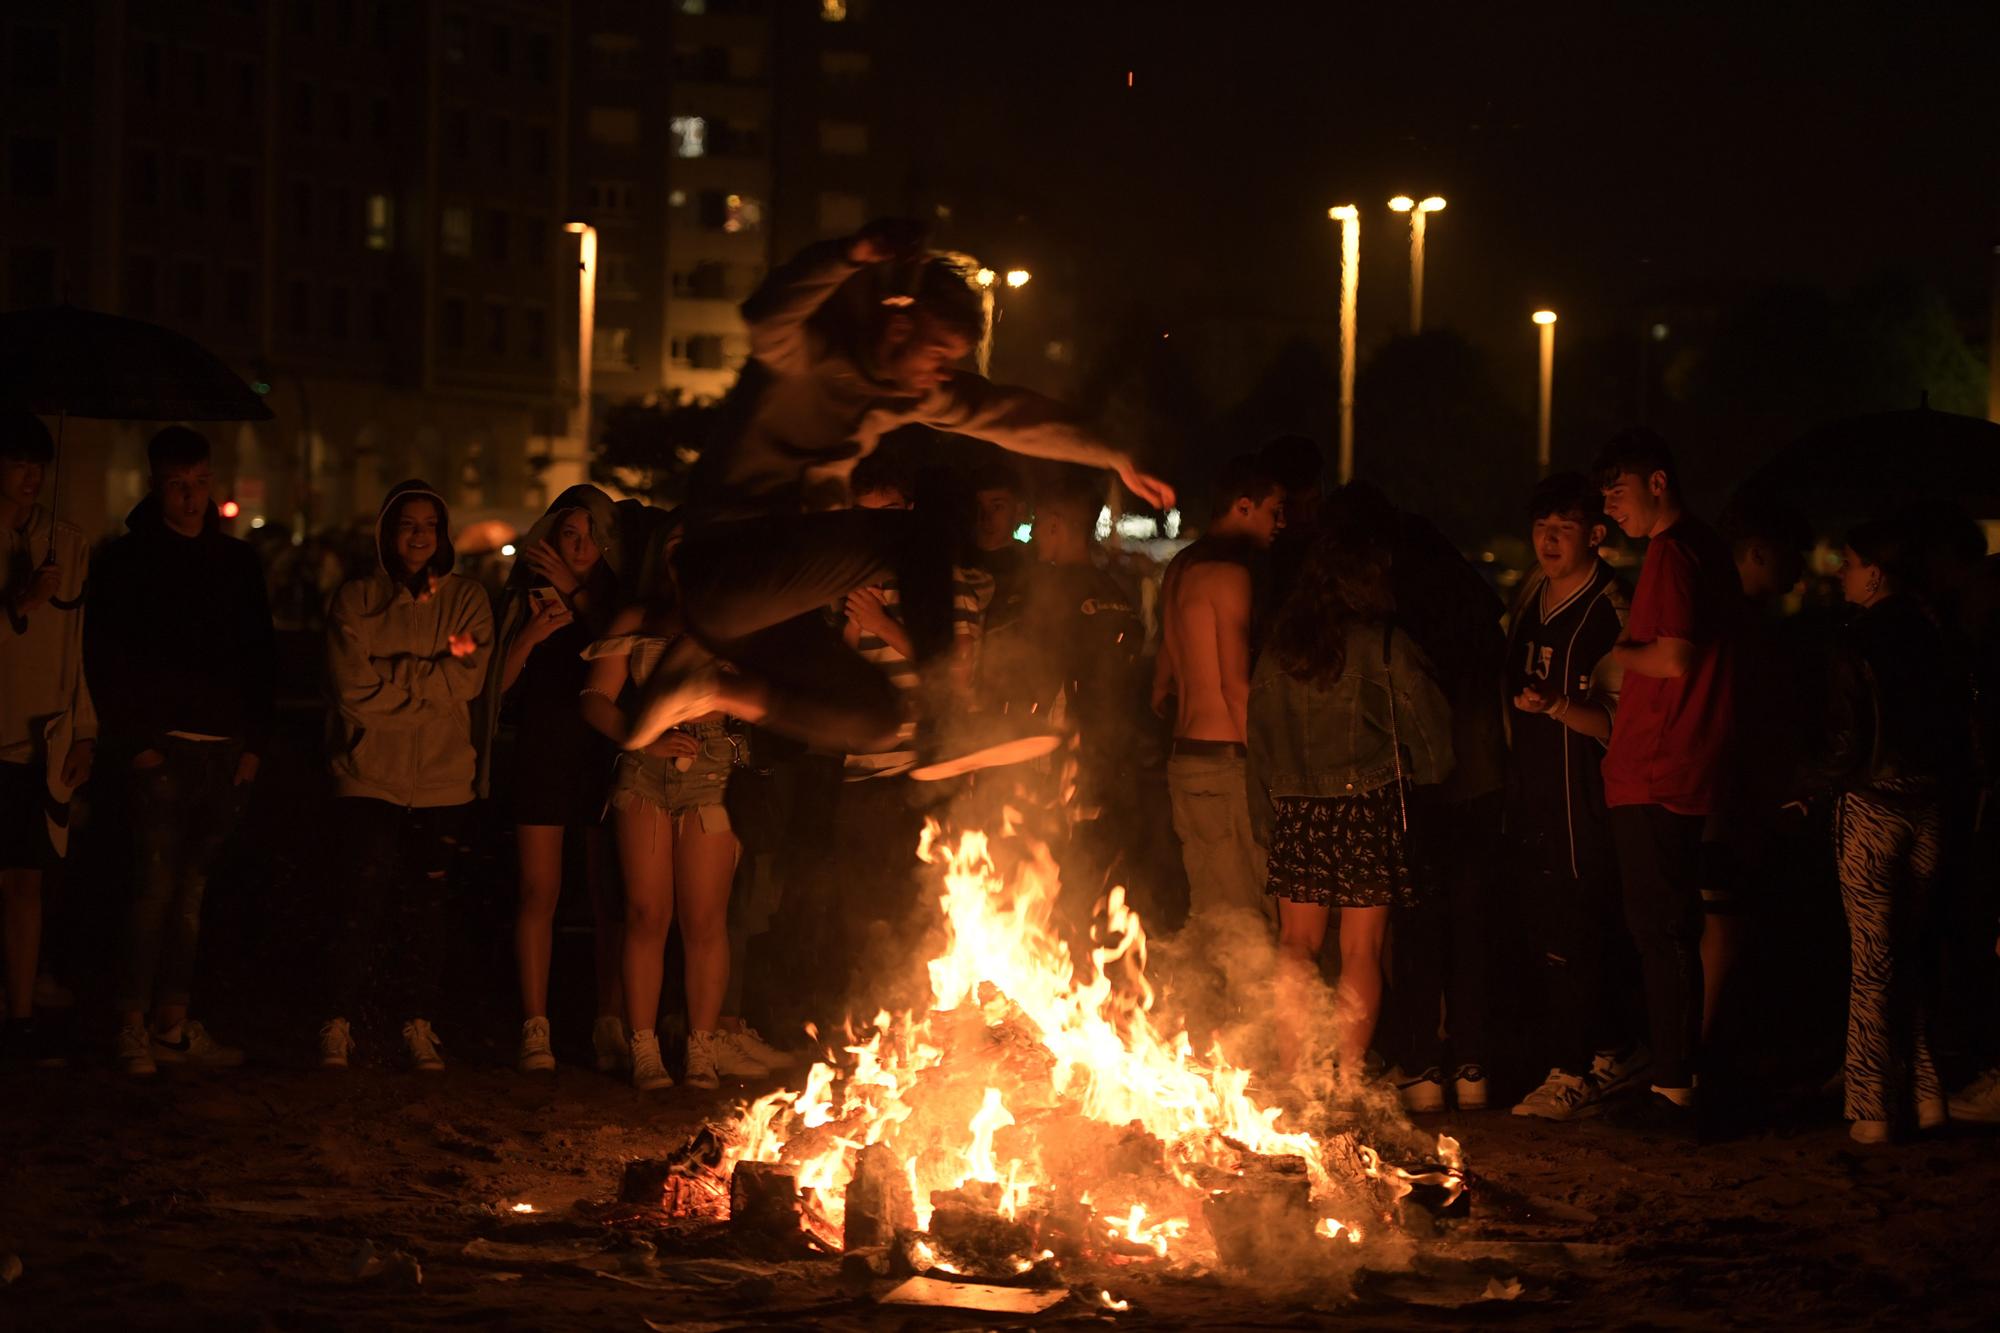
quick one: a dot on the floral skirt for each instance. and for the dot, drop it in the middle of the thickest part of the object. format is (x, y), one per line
(1344, 851)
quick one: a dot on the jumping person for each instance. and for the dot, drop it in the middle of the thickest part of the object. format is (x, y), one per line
(849, 341)
(1208, 609)
(562, 591)
(406, 657)
(1344, 720)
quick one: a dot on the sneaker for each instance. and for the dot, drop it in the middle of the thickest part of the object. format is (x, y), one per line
(423, 1046)
(613, 1049)
(649, 1073)
(1615, 1073)
(1425, 1092)
(23, 1041)
(336, 1043)
(1563, 1097)
(684, 686)
(1869, 1131)
(704, 1068)
(535, 1056)
(1978, 1102)
(749, 1045)
(195, 1047)
(135, 1051)
(1469, 1087)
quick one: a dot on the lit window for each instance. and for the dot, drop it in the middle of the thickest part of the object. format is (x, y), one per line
(457, 230)
(614, 125)
(841, 214)
(833, 11)
(845, 137)
(742, 213)
(690, 135)
(381, 222)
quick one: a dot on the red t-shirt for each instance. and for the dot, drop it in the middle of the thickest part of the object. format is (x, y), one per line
(1670, 737)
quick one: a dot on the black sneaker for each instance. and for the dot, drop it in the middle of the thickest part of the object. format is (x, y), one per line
(23, 1041)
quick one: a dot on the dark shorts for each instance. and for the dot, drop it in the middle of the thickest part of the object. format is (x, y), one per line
(24, 827)
(1343, 851)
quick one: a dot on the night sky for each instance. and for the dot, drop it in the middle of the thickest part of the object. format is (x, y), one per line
(1596, 158)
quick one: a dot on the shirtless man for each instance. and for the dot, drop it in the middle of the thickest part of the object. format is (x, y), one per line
(1208, 604)
(851, 340)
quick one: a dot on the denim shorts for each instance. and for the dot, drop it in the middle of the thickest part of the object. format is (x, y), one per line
(653, 780)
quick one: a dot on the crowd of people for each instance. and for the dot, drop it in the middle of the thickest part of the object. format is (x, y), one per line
(1345, 727)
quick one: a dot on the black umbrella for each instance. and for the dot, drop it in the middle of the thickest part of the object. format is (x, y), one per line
(1872, 466)
(63, 361)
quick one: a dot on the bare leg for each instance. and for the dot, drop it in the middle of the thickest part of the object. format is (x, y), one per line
(540, 848)
(646, 850)
(705, 863)
(1358, 997)
(1301, 933)
(609, 936)
(21, 909)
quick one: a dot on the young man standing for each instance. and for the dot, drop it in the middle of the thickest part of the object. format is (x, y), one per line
(179, 651)
(1208, 607)
(1670, 741)
(849, 341)
(48, 728)
(999, 508)
(1563, 688)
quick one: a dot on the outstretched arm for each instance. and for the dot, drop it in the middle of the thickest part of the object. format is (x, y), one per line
(1023, 422)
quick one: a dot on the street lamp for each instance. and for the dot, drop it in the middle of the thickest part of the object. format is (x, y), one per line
(1349, 218)
(1418, 211)
(586, 331)
(1546, 320)
(989, 283)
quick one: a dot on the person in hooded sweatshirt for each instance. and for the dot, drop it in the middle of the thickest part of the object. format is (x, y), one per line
(48, 728)
(181, 660)
(406, 658)
(564, 589)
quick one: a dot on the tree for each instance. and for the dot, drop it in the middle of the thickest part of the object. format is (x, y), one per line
(649, 446)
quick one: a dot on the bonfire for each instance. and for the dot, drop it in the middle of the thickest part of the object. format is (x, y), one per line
(1042, 1110)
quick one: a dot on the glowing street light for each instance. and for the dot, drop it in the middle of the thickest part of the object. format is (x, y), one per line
(1418, 211)
(989, 282)
(1546, 320)
(586, 328)
(1349, 218)
(1018, 277)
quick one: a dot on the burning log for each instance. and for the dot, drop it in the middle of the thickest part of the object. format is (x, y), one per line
(687, 1181)
(967, 1226)
(644, 1181)
(879, 1203)
(764, 1206)
(1264, 1214)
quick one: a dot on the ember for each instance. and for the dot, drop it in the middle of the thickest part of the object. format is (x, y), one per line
(1041, 1108)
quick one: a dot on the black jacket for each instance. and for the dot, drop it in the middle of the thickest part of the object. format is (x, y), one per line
(1896, 710)
(177, 635)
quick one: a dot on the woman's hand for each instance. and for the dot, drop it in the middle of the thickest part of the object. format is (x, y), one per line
(674, 745)
(543, 559)
(549, 617)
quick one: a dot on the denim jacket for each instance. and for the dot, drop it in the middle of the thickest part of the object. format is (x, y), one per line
(1332, 737)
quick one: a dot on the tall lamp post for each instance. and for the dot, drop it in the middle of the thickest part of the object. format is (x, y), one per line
(1349, 218)
(989, 305)
(586, 333)
(1546, 321)
(1418, 211)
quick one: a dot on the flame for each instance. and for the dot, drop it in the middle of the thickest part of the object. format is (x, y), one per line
(524, 1208)
(1332, 1228)
(1018, 1034)
(1110, 1302)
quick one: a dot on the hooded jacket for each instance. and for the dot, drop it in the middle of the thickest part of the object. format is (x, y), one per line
(41, 654)
(811, 403)
(515, 608)
(401, 729)
(178, 635)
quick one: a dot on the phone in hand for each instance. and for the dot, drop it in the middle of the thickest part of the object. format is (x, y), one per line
(544, 598)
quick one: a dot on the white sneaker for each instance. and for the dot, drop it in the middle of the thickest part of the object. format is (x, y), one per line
(748, 1045)
(135, 1051)
(423, 1045)
(336, 1043)
(1562, 1097)
(1978, 1102)
(705, 1051)
(1468, 1085)
(1614, 1073)
(612, 1047)
(649, 1072)
(535, 1056)
(1424, 1092)
(195, 1047)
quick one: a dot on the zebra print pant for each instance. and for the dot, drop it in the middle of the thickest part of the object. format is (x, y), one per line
(1887, 843)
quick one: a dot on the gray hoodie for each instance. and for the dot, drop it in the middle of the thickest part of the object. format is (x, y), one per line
(402, 725)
